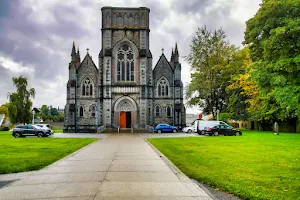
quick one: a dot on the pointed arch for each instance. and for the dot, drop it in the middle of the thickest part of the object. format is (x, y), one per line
(87, 87)
(169, 110)
(157, 110)
(92, 110)
(163, 87)
(125, 53)
(80, 111)
(125, 103)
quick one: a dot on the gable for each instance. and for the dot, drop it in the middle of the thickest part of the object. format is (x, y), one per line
(163, 69)
(162, 62)
(87, 62)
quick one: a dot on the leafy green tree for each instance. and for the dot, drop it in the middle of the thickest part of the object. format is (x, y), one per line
(273, 39)
(4, 110)
(19, 107)
(209, 56)
(44, 110)
(61, 117)
(54, 112)
(242, 91)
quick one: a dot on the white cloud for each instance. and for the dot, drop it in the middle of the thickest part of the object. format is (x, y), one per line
(15, 67)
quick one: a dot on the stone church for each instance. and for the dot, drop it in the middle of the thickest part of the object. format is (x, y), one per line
(124, 90)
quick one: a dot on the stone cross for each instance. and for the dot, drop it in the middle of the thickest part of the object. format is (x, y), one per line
(162, 50)
(87, 49)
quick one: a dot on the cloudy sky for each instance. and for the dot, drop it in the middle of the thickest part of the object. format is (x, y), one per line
(36, 36)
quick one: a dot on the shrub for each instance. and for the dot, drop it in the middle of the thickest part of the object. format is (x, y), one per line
(4, 128)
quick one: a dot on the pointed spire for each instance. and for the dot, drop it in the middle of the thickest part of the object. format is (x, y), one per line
(176, 48)
(172, 54)
(176, 53)
(78, 54)
(73, 54)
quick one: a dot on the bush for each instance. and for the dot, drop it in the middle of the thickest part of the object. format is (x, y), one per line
(225, 117)
(4, 128)
(234, 124)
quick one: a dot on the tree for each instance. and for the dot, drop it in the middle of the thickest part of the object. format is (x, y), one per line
(242, 90)
(44, 110)
(209, 56)
(19, 106)
(54, 111)
(273, 39)
(4, 110)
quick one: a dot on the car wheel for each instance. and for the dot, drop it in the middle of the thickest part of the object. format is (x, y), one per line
(216, 133)
(237, 134)
(17, 135)
(189, 131)
(174, 131)
(40, 134)
(202, 133)
(159, 131)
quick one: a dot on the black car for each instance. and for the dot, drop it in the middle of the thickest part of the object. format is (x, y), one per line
(222, 130)
(30, 130)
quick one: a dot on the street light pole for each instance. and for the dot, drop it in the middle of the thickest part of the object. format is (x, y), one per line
(33, 116)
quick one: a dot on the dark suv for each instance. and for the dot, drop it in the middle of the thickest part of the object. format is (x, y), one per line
(30, 130)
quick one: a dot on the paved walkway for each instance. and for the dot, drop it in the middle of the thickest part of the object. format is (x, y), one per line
(121, 166)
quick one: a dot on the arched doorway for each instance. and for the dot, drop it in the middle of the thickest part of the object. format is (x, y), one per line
(125, 120)
(125, 112)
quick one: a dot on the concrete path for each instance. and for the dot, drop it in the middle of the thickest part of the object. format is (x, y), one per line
(121, 166)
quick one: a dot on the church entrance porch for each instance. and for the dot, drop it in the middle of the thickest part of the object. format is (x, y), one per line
(125, 120)
(125, 113)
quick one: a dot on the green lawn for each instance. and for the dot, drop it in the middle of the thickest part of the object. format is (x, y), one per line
(257, 165)
(26, 154)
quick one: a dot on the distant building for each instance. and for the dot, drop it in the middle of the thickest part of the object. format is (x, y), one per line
(124, 90)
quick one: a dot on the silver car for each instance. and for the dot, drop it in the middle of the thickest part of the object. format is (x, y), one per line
(189, 129)
(45, 126)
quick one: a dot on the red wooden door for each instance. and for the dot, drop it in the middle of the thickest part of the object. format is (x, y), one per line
(123, 120)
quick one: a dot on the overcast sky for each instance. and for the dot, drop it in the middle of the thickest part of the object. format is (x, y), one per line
(36, 36)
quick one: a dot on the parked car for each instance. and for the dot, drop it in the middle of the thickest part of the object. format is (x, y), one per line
(189, 129)
(165, 128)
(30, 130)
(201, 126)
(44, 126)
(222, 130)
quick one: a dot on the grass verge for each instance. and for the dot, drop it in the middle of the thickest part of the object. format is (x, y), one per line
(32, 153)
(257, 165)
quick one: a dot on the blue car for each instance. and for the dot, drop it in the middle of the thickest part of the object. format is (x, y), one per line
(165, 128)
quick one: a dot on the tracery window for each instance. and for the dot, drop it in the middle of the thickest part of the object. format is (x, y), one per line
(87, 87)
(125, 63)
(80, 111)
(93, 110)
(157, 111)
(163, 87)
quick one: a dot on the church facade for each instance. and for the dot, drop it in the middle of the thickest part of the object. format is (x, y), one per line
(124, 91)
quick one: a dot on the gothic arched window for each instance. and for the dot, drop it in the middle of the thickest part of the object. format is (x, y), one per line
(169, 111)
(125, 63)
(87, 87)
(93, 110)
(163, 87)
(157, 111)
(80, 111)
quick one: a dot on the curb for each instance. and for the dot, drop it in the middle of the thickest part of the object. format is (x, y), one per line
(179, 173)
